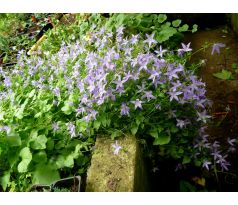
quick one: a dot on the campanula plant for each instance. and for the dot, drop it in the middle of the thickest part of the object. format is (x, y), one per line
(53, 105)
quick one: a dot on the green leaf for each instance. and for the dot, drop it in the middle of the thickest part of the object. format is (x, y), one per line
(115, 133)
(139, 119)
(183, 28)
(174, 129)
(176, 23)
(154, 133)
(165, 34)
(39, 142)
(31, 94)
(4, 180)
(81, 125)
(65, 161)
(185, 186)
(20, 111)
(23, 165)
(69, 161)
(195, 28)
(162, 140)
(198, 163)
(67, 108)
(186, 160)
(234, 66)
(96, 124)
(50, 144)
(40, 157)
(45, 174)
(26, 156)
(25, 153)
(134, 129)
(33, 134)
(13, 139)
(162, 18)
(224, 75)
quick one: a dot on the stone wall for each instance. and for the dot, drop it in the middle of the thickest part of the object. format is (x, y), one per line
(122, 172)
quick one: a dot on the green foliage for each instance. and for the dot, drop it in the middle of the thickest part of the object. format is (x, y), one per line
(150, 23)
(11, 37)
(224, 75)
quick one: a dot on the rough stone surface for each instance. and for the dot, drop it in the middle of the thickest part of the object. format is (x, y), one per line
(109, 172)
(234, 22)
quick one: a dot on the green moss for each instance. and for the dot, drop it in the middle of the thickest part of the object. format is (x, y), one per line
(117, 173)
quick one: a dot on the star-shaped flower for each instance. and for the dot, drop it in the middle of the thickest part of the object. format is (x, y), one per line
(216, 47)
(137, 103)
(150, 39)
(161, 51)
(116, 148)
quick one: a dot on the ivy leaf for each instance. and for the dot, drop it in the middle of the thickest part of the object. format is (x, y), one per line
(23, 165)
(40, 157)
(162, 18)
(154, 133)
(4, 180)
(162, 140)
(45, 174)
(67, 108)
(176, 23)
(96, 124)
(186, 160)
(183, 28)
(20, 111)
(65, 161)
(134, 129)
(195, 28)
(13, 139)
(81, 125)
(26, 156)
(224, 75)
(39, 142)
(115, 133)
(165, 34)
(25, 153)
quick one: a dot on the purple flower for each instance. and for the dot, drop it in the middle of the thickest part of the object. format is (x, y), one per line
(120, 30)
(119, 83)
(206, 164)
(56, 91)
(158, 106)
(186, 48)
(134, 39)
(116, 148)
(55, 126)
(231, 141)
(154, 75)
(124, 109)
(202, 116)
(174, 95)
(216, 47)
(150, 39)
(7, 82)
(223, 162)
(181, 123)
(148, 95)
(137, 103)
(216, 154)
(141, 88)
(71, 129)
(161, 51)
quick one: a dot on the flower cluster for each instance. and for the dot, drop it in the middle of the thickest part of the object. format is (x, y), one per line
(110, 83)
